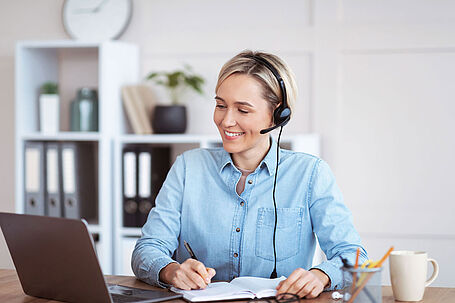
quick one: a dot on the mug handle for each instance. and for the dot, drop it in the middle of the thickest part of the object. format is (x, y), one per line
(435, 271)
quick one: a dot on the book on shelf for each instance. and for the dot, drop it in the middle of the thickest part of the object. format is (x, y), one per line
(238, 288)
(138, 101)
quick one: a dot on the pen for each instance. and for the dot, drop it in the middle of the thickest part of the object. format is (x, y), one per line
(365, 281)
(190, 251)
(357, 258)
(354, 273)
(384, 257)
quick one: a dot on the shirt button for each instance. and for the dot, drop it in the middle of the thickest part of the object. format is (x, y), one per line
(242, 203)
(250, 181)
(237, 229)
(236, 255)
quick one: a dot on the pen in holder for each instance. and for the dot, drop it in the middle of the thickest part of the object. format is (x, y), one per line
(362, 285)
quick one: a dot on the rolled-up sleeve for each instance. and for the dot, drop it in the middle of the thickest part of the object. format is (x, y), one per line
(332, 223)
(159, 240)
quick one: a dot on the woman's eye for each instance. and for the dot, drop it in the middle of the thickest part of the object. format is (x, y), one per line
(243, 111)
(220, 106)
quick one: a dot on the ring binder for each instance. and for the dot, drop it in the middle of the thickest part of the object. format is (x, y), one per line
(53, 189)
(79, 180)
(144, 170)
(34, 183)
(153, 169)
(130, 205)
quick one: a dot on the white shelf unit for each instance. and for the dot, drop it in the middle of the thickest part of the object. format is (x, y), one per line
(126, 237)
(109, 65)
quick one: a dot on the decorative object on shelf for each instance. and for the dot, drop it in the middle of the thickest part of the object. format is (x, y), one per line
(49, 108)
(84, 111)
(139, 103)
(173, 118)
(96, 20)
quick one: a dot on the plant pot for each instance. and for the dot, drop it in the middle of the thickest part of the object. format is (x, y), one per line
(49, 116)
(169, 119)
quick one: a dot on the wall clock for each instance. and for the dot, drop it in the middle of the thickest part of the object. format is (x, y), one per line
(96, 20)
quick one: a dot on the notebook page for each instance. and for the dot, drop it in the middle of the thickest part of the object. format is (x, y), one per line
(215, 291)
(261, 287)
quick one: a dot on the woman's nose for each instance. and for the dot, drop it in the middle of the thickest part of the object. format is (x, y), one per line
(228, 119)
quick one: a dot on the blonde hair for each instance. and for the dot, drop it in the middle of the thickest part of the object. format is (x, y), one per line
(244, 64)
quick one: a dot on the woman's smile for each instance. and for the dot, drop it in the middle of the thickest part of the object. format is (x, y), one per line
(233, 135)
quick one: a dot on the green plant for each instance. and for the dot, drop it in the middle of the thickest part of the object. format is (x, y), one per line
(50, 88)
(176, 82)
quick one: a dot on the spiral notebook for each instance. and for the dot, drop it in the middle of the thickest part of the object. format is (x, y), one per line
(238, 288)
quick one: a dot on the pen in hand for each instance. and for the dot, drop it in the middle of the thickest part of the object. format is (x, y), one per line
(192, 255)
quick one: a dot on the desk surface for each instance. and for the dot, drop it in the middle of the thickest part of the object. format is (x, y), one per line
(11, 291)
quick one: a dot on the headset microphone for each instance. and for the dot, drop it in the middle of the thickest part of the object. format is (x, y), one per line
(281, 116)
(264, 131)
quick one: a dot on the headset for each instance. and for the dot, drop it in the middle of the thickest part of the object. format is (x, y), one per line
(281, 116)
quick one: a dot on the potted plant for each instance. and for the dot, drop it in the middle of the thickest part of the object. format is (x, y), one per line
(49, 108)
(173, 118)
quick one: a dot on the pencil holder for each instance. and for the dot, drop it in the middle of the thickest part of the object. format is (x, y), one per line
(362, 285)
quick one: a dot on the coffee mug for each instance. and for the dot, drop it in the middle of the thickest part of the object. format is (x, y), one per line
(408, 273)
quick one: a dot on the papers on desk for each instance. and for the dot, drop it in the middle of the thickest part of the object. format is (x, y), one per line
(238, 288)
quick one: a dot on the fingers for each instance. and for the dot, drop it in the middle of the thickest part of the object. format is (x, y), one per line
(192, 274)
(315, 292)
(181, 281)
(302, 283)
(200, 269)
(211, 272)
(289, 285)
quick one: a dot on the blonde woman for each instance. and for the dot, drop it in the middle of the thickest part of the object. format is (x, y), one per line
(222, 200)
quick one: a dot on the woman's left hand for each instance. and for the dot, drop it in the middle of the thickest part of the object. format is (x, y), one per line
(308, 284)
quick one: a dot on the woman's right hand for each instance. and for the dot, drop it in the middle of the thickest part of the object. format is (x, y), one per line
(191, 274)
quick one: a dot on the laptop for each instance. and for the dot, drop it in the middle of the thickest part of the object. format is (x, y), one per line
(55, 259)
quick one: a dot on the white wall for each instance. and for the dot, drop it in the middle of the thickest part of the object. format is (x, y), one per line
(375, 81)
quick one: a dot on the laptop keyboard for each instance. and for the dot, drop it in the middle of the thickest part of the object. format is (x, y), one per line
(117, 298)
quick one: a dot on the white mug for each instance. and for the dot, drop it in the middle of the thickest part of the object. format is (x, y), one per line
(408, 273)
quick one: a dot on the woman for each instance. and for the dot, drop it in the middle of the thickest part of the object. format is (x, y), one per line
(220, 200)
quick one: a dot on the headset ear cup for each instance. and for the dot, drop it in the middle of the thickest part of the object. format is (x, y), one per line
(281, 115)
(277, 116)
(285, 113)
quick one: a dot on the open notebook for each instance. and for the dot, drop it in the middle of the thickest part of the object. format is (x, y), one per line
(238, 288)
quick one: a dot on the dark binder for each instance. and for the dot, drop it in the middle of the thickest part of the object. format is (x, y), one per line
(129, 188)
(52, 193)
(144, 171)
(153, 166)
(34, 178)
(79, 180)
(144, 177)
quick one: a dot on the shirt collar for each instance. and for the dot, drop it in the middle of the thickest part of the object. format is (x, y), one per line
(269, 160)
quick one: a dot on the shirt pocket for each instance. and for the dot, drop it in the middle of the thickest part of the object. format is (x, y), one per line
(288, 232)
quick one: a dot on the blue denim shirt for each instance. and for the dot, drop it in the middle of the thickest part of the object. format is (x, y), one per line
(198, 203)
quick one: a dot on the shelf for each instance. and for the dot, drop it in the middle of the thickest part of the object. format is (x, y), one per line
(51, 44)
(168, 138)
(131, 232)
(94, 229)
(106, 66)
(62, 136)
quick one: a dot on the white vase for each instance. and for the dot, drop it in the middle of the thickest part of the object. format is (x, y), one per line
(49, 118)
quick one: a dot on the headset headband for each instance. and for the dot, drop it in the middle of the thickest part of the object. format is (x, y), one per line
(282, 113)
